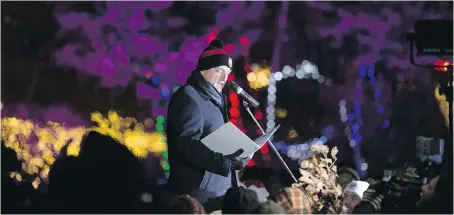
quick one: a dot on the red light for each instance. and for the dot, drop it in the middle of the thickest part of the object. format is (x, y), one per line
(233, 97)
(235, 103)
(211, 37)
(258, 131)
(243, 130)
(265, 149)
(233, 121)
(231, 77)
(228, 48)
(148, 74)
(440, 63)
(234, 112)
(244, 40)
(251, 163)
(258, 115)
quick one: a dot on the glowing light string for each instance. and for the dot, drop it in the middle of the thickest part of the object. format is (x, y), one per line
(38, 144)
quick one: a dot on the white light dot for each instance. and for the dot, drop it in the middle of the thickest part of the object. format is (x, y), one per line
(270, 124)
(292, 73)
(270, 117)
(271, 89)
(271, 97)
(270, 109)
(342, 111)
(315, 75)
(278, 76)
(344, 118)
(271, 81)
(300, 74)
(287, 70)
(364, 166)
(352, 143)
(147, 198)
(321, 79)
(342, 103)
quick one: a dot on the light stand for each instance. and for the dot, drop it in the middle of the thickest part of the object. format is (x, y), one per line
(246, 106)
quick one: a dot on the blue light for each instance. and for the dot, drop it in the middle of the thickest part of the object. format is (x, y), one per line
(351, 117)
(380, 109)
(385, 123)
(165, 92)
(362, 71)
(358, 138)
(329, 129)
(372, 81)
(155, 79)
(371, 71)
(358, 114)
(377, 95)
(323, 139)
(355, 127)
(357, 107)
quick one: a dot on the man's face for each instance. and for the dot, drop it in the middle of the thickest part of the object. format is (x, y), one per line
(217, 76)
(428, 190)
(351, 200)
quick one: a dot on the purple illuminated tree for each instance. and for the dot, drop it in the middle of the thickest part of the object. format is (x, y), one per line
(139, 38)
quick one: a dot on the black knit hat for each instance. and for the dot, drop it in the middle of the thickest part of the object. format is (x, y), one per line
(240, 200)
(213, 56)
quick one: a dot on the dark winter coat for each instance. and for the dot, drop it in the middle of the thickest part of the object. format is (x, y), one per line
(195, 111)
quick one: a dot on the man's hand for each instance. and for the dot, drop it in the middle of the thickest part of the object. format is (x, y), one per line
(237, 163)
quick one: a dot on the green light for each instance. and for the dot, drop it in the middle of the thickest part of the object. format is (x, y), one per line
(166, 166)
(165, 154)
(159, 127)
(166, 174)
(176, 88)
(160, 119)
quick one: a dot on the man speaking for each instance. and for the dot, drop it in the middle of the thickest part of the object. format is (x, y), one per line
(196, 110)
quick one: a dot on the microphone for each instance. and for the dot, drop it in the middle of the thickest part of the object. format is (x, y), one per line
(243, 94)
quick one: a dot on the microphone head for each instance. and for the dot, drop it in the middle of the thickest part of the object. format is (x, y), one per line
(233, 85)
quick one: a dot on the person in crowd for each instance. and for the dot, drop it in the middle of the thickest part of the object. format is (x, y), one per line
(293, 200)
(185, 204)
(63, 176)
(10, 163)
(240, 200)
(353, 194)
(109, 176)
(269, 207)
(346, 174)
(196, 110)
(384, 196)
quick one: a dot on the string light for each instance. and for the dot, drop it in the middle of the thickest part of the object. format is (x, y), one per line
(306, 70)
(38, 145)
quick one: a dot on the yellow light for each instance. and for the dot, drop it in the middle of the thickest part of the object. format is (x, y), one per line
(37, 145)
(259, 77)
(292, 133)
(18, 177)
(281, 113)
(251, 77)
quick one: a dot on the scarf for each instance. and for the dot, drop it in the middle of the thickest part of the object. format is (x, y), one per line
(201, 84)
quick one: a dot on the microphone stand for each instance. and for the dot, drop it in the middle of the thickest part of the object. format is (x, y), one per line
(246, 106)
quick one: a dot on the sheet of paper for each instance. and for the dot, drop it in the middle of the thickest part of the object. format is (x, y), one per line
(228, 139)
(262, 140)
